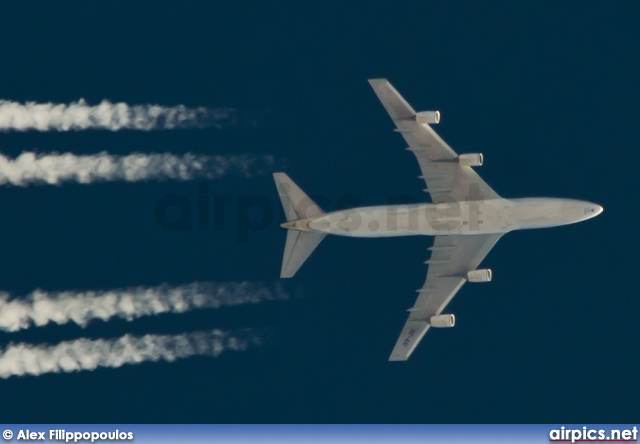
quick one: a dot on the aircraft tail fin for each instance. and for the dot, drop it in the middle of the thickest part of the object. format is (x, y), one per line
(297, 205)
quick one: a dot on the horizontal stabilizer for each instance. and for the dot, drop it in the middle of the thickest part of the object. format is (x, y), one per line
(299, 246)
(296, 204)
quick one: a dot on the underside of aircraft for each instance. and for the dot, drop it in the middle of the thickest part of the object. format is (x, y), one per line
(465, 216)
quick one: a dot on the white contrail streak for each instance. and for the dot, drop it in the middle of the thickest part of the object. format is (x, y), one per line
(56, 168)
(86, 354)
(110, 116)
(39, 307)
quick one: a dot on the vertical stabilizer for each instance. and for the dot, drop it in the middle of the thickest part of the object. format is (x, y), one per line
(297, 205)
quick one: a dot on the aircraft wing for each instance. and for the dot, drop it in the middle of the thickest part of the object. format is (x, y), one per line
(451, 258)
(447, 180)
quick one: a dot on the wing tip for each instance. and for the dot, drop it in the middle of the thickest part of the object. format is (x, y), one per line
(377, 81)
(286, 274)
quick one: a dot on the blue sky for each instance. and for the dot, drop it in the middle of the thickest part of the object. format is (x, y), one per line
(547, 91)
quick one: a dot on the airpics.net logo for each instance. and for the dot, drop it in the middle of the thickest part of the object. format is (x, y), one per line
(586, 434)
(249, 214)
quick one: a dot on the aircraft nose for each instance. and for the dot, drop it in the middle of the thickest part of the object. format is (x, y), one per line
(593, 210)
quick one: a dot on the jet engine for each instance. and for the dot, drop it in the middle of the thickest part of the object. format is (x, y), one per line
(428, 117)
(471, 159)
(443, 321)
(479, 275)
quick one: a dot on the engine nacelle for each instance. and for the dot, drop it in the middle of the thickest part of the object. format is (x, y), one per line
(479, 275)
(443, 321)
(471, 159)
(430, 117)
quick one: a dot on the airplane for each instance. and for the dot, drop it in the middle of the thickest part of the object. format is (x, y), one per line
(466, 217)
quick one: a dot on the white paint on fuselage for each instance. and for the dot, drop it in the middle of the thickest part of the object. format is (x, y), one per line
(458, 218)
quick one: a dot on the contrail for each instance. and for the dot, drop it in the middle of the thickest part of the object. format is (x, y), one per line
(56, 168)
(39, 307)
(86, 354)
(110, 116)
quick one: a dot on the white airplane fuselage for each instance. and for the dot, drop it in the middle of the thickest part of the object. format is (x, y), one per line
(456, 218)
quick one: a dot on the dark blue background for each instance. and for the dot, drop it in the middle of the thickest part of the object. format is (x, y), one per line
(548, 91)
